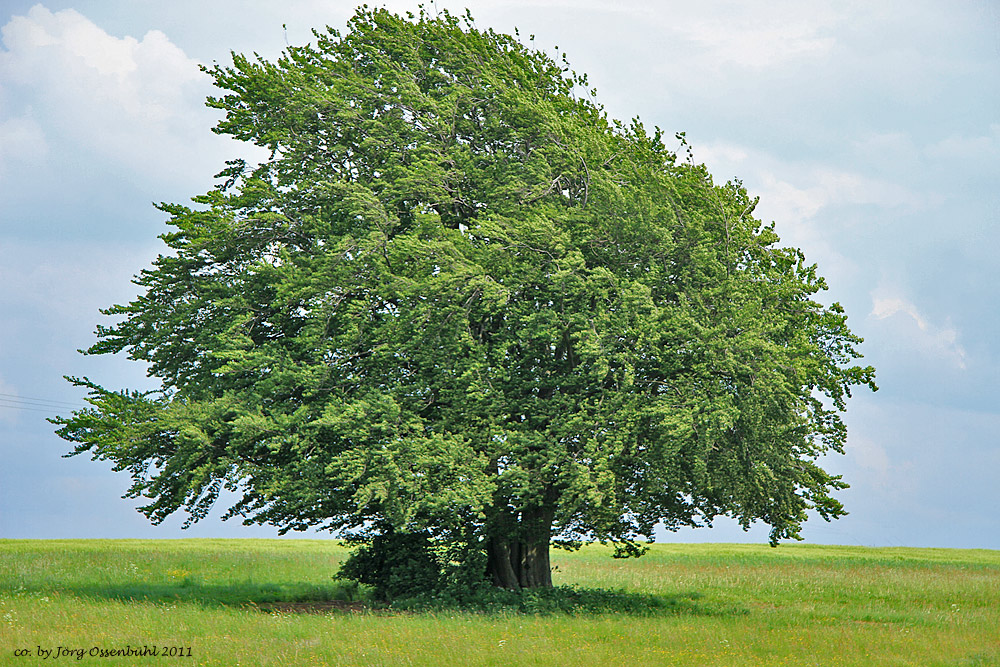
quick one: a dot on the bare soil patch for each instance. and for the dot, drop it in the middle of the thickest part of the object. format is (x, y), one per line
(319, 607)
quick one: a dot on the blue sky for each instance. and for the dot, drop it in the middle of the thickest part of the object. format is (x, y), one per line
(870, 130)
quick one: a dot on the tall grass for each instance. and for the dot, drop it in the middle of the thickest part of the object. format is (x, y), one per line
(751, 605)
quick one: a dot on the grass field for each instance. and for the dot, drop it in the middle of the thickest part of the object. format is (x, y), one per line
(744, 605)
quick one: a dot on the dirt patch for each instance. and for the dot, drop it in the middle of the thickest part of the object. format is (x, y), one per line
(324, 607)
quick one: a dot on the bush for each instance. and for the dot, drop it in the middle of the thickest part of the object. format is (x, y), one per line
(396, 565)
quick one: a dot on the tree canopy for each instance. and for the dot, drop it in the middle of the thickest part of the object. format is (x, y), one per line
(459, 301)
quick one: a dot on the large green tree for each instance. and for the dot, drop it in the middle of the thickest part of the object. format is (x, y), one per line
(460, 301)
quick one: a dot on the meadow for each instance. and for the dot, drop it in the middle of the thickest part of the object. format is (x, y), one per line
(236, 602)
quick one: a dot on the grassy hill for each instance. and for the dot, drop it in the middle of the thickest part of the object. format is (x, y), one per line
(229, 602)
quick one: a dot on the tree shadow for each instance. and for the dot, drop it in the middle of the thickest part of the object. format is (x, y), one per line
(190, 591)
(570, 600)
(347, 596)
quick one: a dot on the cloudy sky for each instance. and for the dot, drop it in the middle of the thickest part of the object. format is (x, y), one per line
(870, 130)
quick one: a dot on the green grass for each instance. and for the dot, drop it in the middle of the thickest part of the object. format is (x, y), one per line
(723, 605)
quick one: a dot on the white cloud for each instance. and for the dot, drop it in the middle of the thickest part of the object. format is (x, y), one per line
(796, 194)
(134, 103)
(736, 34)
(976, 149)
(883, 307)
(816, 187)
(720, 156)
(913, 331)
(69, 58)
(760, 44)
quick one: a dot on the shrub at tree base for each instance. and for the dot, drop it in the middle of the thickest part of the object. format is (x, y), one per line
(395, 565)
(458, 301)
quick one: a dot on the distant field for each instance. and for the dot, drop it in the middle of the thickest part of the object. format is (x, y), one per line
(748, 605)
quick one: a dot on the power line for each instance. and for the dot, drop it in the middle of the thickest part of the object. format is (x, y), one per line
(21, 407)
(26, 403)
(41, 401)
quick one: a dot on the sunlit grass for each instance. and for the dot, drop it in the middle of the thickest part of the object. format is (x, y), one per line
(794, 605)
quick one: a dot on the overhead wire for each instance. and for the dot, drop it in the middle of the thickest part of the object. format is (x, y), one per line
(16, 402)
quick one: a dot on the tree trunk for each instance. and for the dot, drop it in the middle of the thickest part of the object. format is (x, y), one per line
(518, 551)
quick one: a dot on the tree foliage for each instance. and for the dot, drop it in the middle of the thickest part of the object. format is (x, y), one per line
(458, 300)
